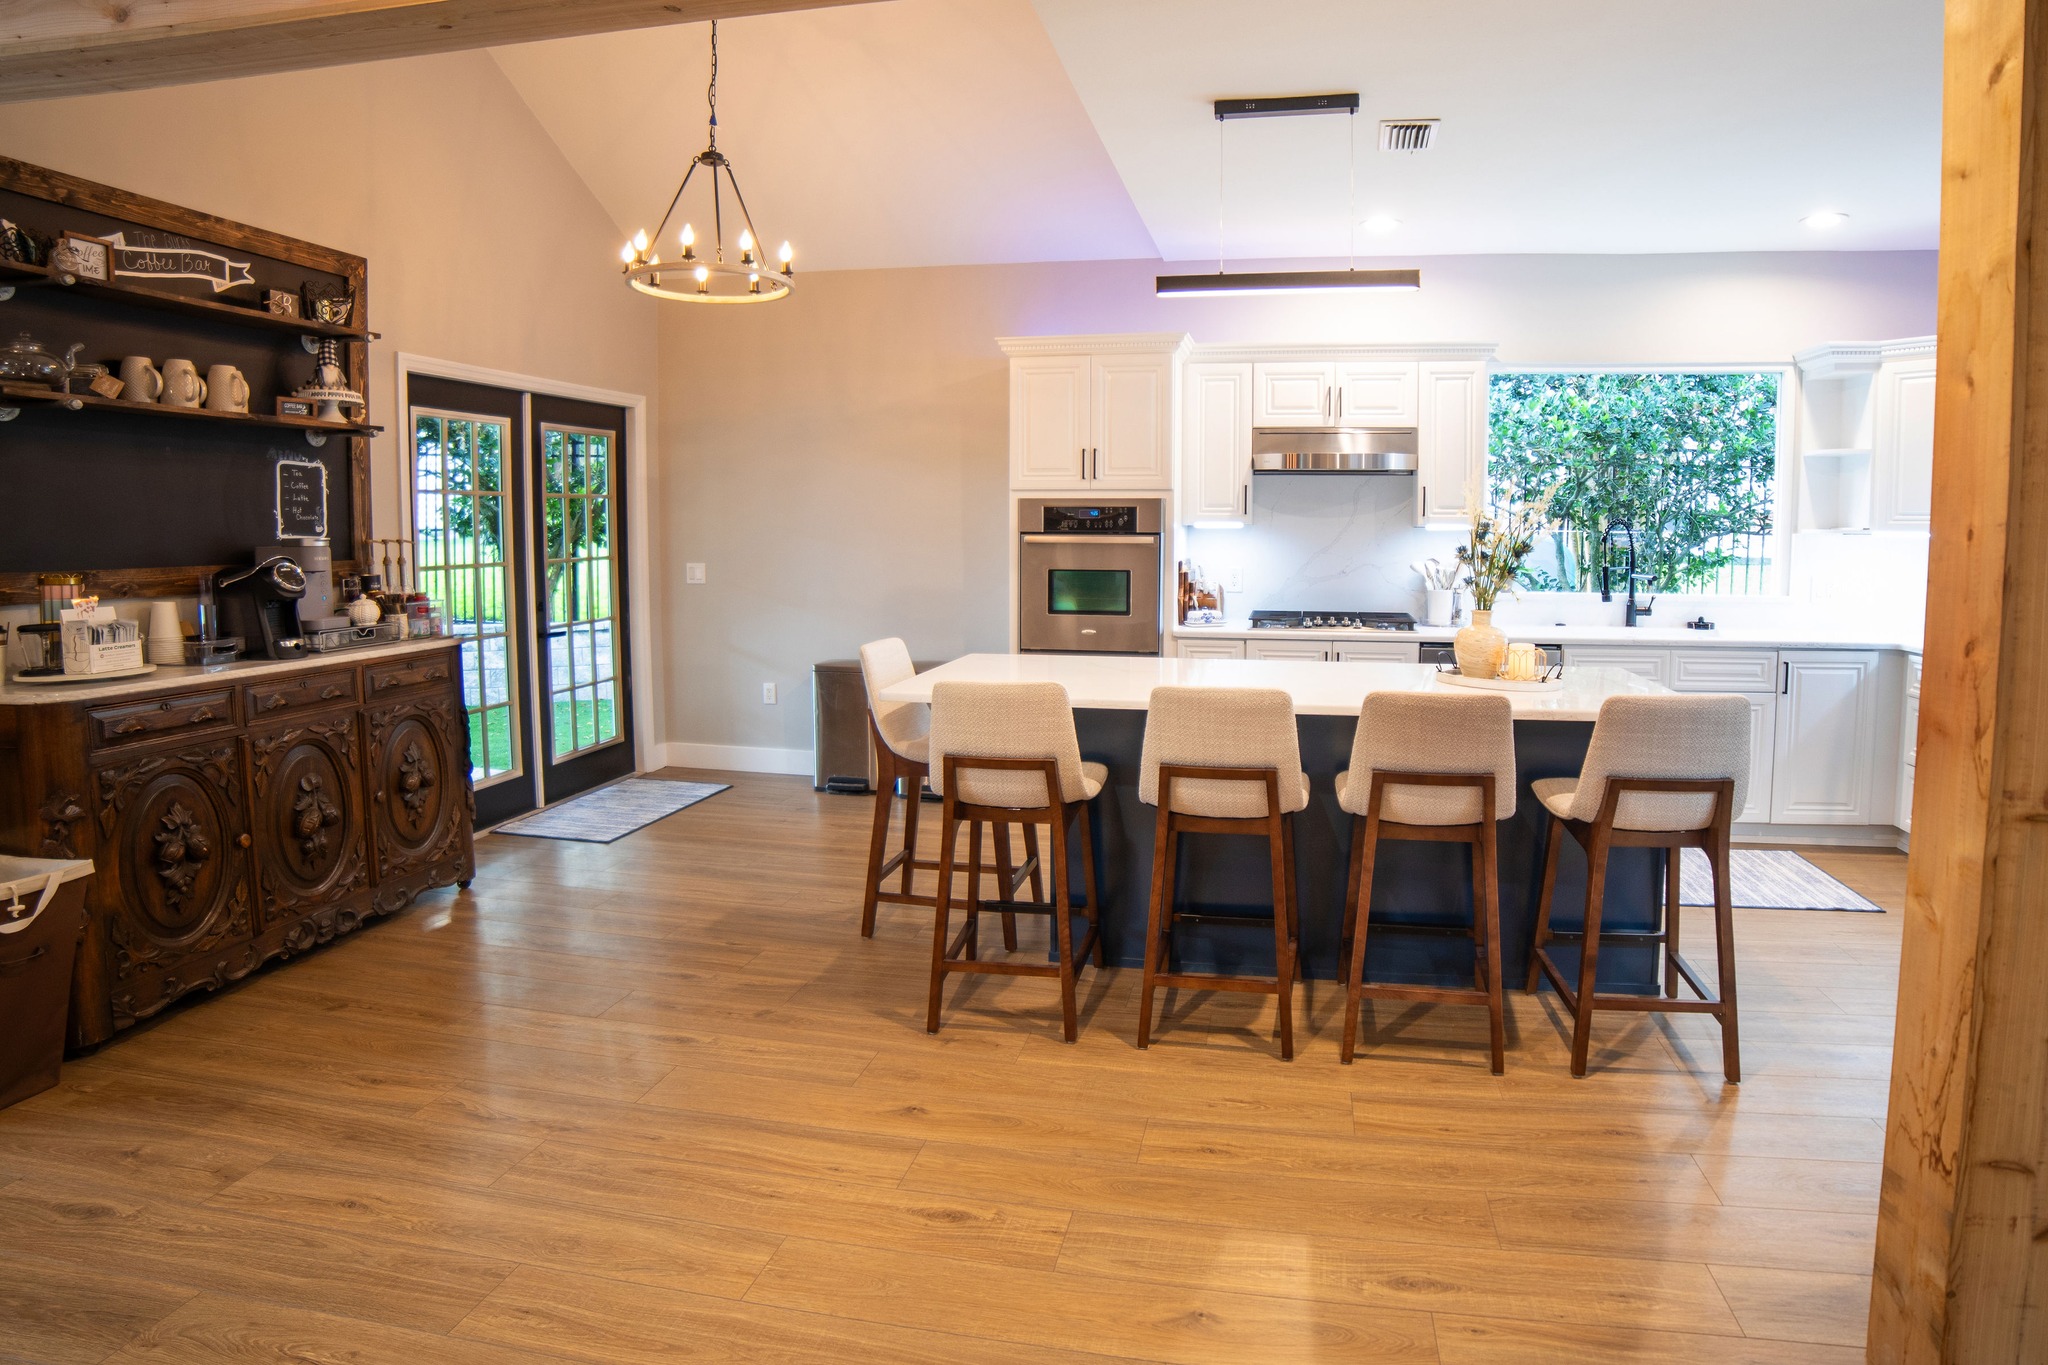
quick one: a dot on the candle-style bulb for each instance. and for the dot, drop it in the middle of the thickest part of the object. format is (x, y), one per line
(626, 253)
(689, 235)
(746, 240)
(640, 240)
(786, 255)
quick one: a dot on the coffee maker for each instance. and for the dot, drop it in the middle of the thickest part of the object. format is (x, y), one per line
(314, 556)
(261, 604)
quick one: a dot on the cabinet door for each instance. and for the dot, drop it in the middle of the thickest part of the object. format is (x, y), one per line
(1654, 664)
(307, 816)
(1451, 429)
(1131, 441)
(1375, 652)
(1292, 651)
(172, 887)
(419, 802)
(1293, 393)
(1376, 393)
(1049, 421)
(1903, 478)
(1826, 731)
(1216, 443)
(1763, 740)
(1749, 671)
(1211, 649)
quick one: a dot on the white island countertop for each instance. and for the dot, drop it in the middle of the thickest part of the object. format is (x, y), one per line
(1119, 682)
(1829, 634)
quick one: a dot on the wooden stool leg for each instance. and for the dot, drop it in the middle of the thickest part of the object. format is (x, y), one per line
(945, 901)
(1157, 911)
(1063, 925)
(1283, 951)
(1589, 951)
(973, 906)
(1094, 888)
(1358, 915)
(878, 842)
(913, 787)
(1552, 838)
(1672, 865)
(1724, 951)
(1037, 868)
(1486, 911)
(1006, 873)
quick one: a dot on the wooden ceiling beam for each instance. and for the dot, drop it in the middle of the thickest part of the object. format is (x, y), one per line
(52, 48)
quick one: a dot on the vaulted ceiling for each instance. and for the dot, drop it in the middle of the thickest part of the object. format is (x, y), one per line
(933, 132)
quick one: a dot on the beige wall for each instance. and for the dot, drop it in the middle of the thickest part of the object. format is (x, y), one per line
(839, 461)
(484, 245)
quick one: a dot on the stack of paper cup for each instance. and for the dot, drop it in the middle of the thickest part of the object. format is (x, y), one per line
(166, 636)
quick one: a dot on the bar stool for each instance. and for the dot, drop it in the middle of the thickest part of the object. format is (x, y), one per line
(1441, 769)
(900, 733)
(1222, 760)
(1007, 754)
(1663, 772)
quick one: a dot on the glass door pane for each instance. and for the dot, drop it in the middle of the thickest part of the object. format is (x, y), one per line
(462, 518)
(582, 626)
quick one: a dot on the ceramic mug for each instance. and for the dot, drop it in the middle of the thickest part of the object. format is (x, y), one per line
(183, 388)
(140, 381)
(226, 390)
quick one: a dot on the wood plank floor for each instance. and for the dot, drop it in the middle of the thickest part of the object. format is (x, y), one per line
(658, 1101)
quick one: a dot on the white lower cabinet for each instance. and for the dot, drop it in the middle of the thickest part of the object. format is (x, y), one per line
(1376, 652)
(1211, 649)
(1753, 675)
(1826, 736)
(1293, 651)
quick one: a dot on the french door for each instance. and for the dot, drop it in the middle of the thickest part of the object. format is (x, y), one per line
(518, 516)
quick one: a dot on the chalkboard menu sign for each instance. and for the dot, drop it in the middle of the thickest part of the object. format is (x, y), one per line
(301, 498)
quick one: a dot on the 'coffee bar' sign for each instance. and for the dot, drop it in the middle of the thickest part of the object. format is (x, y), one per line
(177, 259)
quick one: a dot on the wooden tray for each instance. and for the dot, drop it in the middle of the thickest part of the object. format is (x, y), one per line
(1501, 684)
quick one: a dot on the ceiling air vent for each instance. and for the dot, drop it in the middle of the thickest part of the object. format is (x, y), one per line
(1407, 134)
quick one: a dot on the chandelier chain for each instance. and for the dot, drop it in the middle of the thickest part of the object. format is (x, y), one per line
(711, 94)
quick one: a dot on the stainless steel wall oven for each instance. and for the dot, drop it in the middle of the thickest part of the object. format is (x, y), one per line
(1089, 577)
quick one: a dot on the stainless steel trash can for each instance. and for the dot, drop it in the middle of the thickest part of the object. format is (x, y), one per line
(840, 747)
(42, 918)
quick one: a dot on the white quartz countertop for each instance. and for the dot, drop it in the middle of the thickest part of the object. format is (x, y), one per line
(170, 677)
(1118, 682)
(1825, 635)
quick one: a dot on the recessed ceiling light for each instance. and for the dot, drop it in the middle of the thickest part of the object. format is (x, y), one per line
(1381, 224)
(1824, 220)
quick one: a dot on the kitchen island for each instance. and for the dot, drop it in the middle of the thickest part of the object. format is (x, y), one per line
(1416, 883)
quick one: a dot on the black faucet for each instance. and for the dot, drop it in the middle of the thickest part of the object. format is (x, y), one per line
(1631, 612)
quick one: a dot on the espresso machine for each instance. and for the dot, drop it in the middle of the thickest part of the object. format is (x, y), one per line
(261, 604)
(314, 555)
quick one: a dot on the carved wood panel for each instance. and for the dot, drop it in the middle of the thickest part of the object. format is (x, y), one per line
(419, 796)
(172, 826)
(307, 816)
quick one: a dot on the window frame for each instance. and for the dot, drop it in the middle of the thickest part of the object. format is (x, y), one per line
(1784, 491)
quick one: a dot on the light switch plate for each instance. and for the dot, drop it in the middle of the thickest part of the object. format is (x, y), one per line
(693, 573)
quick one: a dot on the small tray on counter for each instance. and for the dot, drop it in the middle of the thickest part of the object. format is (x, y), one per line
(386, 632)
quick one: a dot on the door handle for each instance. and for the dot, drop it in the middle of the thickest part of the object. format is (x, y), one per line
(1084, 464)
(1425, 502)
(1785, 687)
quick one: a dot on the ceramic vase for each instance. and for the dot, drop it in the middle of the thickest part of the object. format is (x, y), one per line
(1480, 647)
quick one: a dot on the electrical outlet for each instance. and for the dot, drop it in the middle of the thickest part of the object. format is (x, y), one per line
(768, 694)
(693, 573)
(1234, 581)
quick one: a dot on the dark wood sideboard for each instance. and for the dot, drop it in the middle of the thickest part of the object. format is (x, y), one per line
(236, 818)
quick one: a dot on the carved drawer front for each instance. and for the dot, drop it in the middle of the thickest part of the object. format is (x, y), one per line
(141, 720)
(278, 695)
(307, 816)
(420, 802)
(172, 876)
(385, 679)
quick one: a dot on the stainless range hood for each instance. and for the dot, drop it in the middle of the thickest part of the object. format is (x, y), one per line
(1333, 450)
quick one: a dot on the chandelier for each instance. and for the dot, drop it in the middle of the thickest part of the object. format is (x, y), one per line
(709, 277)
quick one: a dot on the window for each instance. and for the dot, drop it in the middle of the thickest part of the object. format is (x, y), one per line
(1686, 463)
(582, 618)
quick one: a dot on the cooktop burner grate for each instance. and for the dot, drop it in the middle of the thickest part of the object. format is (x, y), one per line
(1332, 620)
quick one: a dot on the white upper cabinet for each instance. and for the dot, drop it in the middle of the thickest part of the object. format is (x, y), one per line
(1294, 393)
(1903, 460)
(1452, 431)
(1826, 735)
(1378, 393)
(1216, 442)
(1132, 436)
(1049, 421)
(1083, 418)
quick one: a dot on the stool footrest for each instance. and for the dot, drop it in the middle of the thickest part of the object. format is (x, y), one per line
(1708, 1002)
(1253, 985)
(989, 907)
(1442, 995)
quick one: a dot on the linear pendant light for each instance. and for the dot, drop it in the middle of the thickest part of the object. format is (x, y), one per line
(1286, 281)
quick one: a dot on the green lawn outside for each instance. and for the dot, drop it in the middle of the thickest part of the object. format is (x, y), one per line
(584, 721)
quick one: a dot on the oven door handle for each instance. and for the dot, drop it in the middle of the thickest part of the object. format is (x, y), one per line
(1054, 538)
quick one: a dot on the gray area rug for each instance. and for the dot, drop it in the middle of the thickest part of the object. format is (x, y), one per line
(611, 813)
(1768, 879)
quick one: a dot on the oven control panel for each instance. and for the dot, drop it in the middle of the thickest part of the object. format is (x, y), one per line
(1091, 520)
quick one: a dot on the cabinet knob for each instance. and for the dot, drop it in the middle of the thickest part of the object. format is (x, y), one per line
(273, 701)
(163, 706)
(243, 841)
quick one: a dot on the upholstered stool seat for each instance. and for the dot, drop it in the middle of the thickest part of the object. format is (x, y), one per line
(1663, 772)
(1439, 769)
(1222, 761)
(1007, 754)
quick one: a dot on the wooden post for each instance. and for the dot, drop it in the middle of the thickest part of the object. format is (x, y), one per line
(1962, 1270)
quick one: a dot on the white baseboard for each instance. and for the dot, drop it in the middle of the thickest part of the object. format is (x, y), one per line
(1824, 836)
(736, 758)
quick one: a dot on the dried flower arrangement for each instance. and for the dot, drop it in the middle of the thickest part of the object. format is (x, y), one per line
(1503, 536)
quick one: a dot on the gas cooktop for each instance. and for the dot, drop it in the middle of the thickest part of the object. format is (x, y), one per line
(1332, 620)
